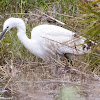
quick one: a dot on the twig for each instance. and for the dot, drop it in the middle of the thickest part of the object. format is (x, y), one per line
(21, 6)
(7, 98)
(26, 14)
(63, 81)
(60, 14)
(67, 45)
(79, 73)
(52, 18)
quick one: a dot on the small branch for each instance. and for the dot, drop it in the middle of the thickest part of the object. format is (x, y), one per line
(26, 14)
(78, 73)
(21, 6)
(63, 81)
(7, 98)
(52, 18)
(60, 14)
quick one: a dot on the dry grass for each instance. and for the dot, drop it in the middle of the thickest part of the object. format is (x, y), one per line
(39, 81)
(26, 77)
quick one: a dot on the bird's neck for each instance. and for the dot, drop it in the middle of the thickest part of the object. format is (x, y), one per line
(23, 38)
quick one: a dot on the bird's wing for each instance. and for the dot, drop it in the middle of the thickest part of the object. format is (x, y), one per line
(51, 30)
(61, 44)
(55, 39)
(55, 33)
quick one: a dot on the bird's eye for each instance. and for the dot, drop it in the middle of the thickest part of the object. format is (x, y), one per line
(7, 27)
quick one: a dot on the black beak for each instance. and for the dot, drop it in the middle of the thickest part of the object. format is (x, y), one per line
(3, 33)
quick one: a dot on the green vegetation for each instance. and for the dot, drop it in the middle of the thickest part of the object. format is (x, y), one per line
(18, 65)
(83, 16)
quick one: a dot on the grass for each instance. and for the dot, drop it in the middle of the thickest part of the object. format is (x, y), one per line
(25, 76)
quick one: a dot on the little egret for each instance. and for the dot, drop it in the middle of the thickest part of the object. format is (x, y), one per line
(48, 40)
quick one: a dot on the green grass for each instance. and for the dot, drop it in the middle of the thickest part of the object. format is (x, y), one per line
(19, 68)
(85, 20)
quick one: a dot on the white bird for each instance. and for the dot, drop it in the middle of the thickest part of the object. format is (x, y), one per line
(48, 40)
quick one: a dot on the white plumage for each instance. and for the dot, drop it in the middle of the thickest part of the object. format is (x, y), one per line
(48, 40)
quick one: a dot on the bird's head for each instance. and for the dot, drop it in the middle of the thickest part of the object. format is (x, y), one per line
(10, 23)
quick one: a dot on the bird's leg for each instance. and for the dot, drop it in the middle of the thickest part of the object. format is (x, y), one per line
(68, 59)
